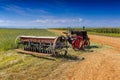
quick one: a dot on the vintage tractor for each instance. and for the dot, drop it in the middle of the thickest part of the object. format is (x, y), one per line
(53, 45)
(78, 39)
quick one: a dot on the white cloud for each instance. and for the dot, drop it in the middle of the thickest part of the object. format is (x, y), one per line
(5, 21)
(58, 20)
(43, 22)
(1, 21)
(80, 19)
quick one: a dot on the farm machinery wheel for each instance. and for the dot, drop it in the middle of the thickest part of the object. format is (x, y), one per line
(87, 43)
(60, 46)
(18, 43)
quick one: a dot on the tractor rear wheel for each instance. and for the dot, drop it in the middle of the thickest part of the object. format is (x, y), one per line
(87, 43)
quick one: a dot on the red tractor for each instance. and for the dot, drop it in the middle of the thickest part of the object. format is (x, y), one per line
(78, 39)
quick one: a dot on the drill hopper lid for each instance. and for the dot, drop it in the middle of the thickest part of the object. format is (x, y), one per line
(45, 37)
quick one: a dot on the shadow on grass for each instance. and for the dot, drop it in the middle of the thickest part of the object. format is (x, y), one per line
(92, 46)
(69, 57)
(88, 49)
(51, 57)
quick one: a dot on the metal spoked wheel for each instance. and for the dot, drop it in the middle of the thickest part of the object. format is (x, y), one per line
(18, 43)
(60, 46)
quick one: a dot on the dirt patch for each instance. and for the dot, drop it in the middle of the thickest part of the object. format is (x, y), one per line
(103, 65)
(58, 32)
(104, 40)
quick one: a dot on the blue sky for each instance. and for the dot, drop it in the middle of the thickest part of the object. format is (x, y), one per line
(59, 13)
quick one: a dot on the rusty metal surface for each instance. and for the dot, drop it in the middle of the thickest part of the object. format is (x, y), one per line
(37, 39)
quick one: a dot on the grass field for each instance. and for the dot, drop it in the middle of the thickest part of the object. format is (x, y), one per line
(17, 66)
(7, 36)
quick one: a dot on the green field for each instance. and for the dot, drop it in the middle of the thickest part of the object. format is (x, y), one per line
(8, 36)
(114, 32)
